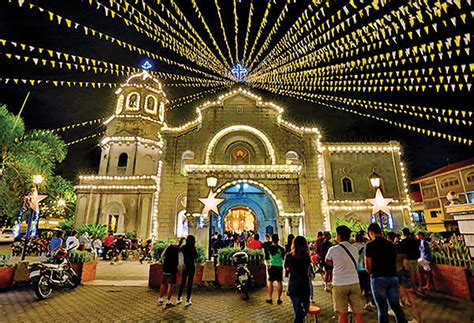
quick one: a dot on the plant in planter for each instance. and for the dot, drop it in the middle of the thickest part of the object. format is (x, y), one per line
(451, 268)
(83, 264)
(226, 269)
(6, 272)
(156, 269)
(94, 230)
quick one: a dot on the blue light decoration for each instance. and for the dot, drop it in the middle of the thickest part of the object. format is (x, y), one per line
(201, 221)
(239, 72)
(16, 230)
(146, 65)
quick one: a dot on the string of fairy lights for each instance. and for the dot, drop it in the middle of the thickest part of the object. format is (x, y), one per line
(340, 55)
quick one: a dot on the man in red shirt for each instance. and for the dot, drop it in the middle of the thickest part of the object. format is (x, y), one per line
(108, 241)
(255, 244)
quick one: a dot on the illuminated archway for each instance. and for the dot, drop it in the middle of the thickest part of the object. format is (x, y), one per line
(212, 144)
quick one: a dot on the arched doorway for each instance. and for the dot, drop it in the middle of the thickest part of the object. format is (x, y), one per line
(247, 201)
(240, 218)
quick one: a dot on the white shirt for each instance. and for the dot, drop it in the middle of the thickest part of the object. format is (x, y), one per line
(344, 271)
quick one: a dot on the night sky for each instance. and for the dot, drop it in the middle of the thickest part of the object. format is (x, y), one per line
(49, 107)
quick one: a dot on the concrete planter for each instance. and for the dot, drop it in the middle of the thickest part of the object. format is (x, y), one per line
(6, 276)
(156, 273)
(451, 280)
(85, 270)
(226, 275)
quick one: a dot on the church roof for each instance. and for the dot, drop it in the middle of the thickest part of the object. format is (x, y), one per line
(146, 80)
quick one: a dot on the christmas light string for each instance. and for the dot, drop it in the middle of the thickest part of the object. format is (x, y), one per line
(262, 25)
(221, 23)
(91, 32)
(85, 138)
(181, 47)
(427, 132)
(247, 32)
(79, 124)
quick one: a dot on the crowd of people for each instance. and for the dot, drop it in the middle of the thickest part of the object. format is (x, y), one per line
(368, 271)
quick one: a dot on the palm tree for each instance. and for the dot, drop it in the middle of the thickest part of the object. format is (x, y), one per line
(24, 154)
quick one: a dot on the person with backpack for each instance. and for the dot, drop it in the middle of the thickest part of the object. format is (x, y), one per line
(170, 259)
(190, 255)
(345, 280)
(274, 255)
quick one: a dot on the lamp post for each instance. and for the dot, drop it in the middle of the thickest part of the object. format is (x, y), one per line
(375, 180)
(380, 204)
(33, 200)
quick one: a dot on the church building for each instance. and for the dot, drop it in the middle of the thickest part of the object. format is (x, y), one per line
(274, 176)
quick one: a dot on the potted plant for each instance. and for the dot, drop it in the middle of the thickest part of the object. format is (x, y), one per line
(6, 272)
(156, 268)
(83, 264)
(452, 269)
(225, 270)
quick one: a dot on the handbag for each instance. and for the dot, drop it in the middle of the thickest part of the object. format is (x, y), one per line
(350, 255)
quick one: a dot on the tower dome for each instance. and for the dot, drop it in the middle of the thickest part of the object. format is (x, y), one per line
(142, 94)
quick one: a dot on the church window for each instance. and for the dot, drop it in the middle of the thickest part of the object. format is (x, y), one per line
(133, 102)
(161, 114)
(292, 158)
(151, 105)
(186, 158)
(347, 185)
(119, 107)
(123, 160)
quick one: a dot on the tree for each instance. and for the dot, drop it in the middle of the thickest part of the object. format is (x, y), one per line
(25, 153)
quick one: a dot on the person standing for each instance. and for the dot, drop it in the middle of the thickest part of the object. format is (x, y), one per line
(274, 255)
(297, 263)
(411, 253)
(325, 245)
(267, 243)
(189, 256)
(255, 243)
(364, 278)
(380, 263)
(345, 280)
(425, 259)
(108, 242)
(56, 242)
(170, 258)
(96, 246)
(289, 243)
(85, 242)
(72, 243)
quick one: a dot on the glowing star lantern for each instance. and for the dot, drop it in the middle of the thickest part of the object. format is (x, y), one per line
(146, 65)
(34, 198)
(239, 71)
(380, 203)
(211, 203)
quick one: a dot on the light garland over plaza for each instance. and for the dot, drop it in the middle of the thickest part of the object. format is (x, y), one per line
(333, 54)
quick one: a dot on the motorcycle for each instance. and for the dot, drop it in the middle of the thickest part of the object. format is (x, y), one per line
(243, 277)
(56, 275)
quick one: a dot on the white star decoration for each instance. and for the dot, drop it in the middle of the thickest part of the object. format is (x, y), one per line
(380, 203)
(34, 199)
(210, 203)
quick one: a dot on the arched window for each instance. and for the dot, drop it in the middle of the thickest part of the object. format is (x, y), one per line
(292, 158)
(182, 224)
(119, 107)
(123, 160)
(151, 105)
(186, 158)
(161, 114)
(347, 185)
(133, 102)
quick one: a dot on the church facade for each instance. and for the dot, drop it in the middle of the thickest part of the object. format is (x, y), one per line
(273, 175)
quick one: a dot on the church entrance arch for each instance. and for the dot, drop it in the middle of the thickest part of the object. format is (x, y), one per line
(245, 202)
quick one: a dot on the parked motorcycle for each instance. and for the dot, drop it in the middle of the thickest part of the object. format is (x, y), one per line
(59, 274)
(243, 277)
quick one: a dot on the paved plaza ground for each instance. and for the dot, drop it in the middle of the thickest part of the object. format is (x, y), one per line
(120, 293)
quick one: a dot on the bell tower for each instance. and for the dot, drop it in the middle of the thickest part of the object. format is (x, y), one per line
(132, 144)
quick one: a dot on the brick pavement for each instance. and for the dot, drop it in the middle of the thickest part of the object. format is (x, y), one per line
(107, 303)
